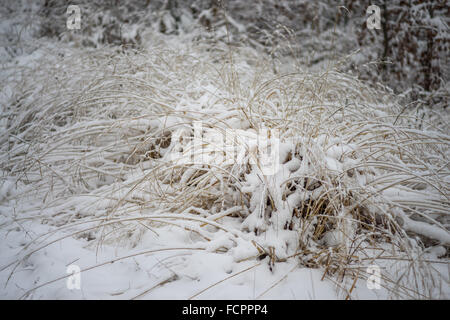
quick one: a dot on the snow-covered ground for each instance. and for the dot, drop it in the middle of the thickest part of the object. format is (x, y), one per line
(150, 271)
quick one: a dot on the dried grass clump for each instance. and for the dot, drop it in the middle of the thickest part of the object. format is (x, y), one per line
(90, 135)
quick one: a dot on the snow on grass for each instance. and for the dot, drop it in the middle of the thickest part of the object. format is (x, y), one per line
(89, 178)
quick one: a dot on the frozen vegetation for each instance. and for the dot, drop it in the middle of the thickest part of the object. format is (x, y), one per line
(91, 131)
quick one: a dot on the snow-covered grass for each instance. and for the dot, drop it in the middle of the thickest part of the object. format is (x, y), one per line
(88, 177)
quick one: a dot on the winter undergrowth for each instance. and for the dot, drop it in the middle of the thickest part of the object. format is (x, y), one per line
(88, 138)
